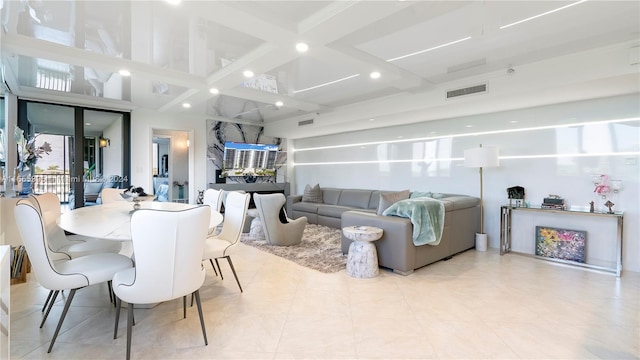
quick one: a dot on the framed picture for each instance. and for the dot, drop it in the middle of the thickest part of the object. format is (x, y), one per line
(562, 244)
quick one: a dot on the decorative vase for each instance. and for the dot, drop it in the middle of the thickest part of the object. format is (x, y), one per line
(23, 180)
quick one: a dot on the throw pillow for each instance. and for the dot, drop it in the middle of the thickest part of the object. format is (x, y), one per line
(312, 194)
(390, 198)
(419, 194)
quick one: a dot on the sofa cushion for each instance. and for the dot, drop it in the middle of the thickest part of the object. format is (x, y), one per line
(389, 198)
(306, 207)
(312, 194)
(332, 210)
(355, 198)
(331, 196)
(374, 201)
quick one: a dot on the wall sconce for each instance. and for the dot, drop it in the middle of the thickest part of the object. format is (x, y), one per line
(104, 142)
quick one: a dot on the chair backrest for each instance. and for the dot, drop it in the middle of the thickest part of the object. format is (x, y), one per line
(31, 228)
(268, 206)
(48, 206)
(213, 198)
(235, 214)
(168, 248)
(110, 195)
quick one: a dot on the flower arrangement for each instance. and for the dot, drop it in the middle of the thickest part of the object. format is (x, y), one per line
(179, 184)
(28, 152)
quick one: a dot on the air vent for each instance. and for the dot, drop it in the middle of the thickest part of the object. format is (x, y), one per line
(305, 122)
(467, 91)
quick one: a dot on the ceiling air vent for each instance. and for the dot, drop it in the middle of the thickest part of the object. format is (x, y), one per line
(305, 122)
(467, 91)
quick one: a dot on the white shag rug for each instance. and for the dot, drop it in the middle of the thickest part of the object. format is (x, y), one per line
(319, 249)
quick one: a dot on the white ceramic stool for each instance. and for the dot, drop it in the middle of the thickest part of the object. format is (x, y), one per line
(362, 261)
(256, 231)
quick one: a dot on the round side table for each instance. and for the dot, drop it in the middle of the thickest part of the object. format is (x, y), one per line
(362, 261)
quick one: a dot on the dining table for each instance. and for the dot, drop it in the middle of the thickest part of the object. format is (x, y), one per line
(112, 221)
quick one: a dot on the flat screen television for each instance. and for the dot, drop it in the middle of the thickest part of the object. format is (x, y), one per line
(242, 159)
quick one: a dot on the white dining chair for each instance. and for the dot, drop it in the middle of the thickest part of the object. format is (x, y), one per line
(110, 195)
(63, 246)
(221, 245)
(62, 274)
(168, 246)
(213, 198)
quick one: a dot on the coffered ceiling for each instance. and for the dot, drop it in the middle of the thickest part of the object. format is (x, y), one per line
(72, 51)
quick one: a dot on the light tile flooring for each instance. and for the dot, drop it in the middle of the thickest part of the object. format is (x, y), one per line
(478, 305)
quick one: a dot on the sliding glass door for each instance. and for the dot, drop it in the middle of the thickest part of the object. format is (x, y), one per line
(89, 148)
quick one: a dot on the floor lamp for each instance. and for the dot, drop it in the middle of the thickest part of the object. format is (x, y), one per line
(481, 157)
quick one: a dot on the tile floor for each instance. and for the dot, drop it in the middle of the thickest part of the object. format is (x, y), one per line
(478, 305)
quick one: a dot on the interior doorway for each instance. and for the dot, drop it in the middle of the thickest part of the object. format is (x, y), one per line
(170, 167)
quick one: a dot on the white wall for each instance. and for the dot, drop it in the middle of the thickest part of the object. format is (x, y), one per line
(112, 161)
(441, 167)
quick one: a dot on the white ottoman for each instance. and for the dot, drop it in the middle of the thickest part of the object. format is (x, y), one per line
(256, 231)
(362, 261)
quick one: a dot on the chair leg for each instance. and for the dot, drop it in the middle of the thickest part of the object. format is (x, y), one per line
(204, 330)
(111, 294)
(64, 314)
(46, 302)
(184, 307)
(53, 300)
(129, 329)
(118, 307)
(234, 271)
(192, 299)
(214, 268)
(221, 277)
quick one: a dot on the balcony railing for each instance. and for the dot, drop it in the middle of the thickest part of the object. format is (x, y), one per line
(59, 184)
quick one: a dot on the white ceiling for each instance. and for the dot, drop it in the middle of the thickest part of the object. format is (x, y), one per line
(177, 53)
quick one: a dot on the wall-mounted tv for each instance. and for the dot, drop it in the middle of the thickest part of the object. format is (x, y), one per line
(242, 159)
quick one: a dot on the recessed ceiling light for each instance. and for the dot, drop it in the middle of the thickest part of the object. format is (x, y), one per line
(88, 123)
(214, 91)
(247, 73)
(513, 121)
(372, 119)
(173, 2)
(124, 72)
(375, 75)
(468, 126)
(302, 47)
(186, 105)
(279, 103)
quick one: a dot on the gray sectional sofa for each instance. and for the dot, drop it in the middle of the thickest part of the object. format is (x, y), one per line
(396, 251)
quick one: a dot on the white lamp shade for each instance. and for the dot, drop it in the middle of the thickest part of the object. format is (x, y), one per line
(481, 157)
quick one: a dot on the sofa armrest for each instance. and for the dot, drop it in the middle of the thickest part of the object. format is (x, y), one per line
(292, 199)
(395, 248)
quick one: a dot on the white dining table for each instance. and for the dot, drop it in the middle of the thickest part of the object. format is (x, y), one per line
(113, 221)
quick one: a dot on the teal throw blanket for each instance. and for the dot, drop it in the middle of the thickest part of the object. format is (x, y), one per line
(426, 215)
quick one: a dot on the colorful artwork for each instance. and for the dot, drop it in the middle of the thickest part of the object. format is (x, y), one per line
(560, 243)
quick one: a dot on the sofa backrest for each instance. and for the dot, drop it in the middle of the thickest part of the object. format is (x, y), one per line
(356, 198)
(331, 196)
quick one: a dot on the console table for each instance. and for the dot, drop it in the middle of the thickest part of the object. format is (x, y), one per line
(585, 217)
